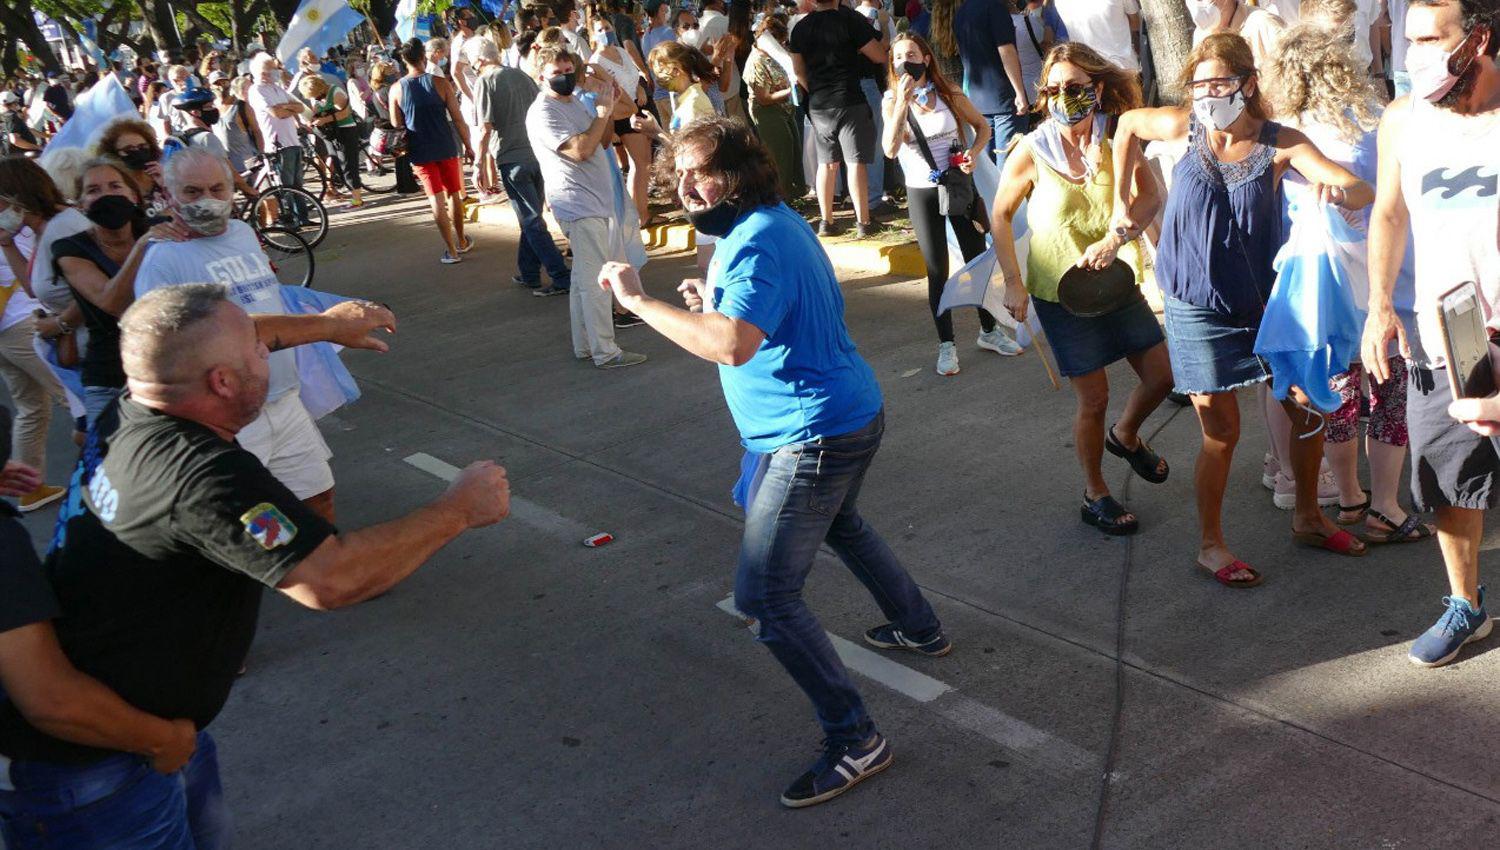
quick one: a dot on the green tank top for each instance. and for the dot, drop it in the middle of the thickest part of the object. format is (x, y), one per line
(331, 109)
(1073, 216)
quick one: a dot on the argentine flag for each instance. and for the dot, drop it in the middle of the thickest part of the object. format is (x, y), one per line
(406, 19)
(319, 25)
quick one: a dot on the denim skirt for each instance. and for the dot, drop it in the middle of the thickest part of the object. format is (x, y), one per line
(1212, 352)
(1084, 345)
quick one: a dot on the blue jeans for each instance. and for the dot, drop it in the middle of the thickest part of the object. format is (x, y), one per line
(289, 170)
(877, 168)
(96, 400)
(807, 498)
(119, 802)
(1004, 125)
(523, 183)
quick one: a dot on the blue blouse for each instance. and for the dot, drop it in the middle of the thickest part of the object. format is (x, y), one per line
(1219, 237)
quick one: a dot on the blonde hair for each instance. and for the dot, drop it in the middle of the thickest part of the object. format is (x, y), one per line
(1122, 91)
(312, 85)
(1314, 74)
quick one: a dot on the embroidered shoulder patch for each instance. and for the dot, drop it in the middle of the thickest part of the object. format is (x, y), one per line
(269, 526)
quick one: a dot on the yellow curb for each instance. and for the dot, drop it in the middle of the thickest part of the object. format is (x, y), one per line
(902, 259)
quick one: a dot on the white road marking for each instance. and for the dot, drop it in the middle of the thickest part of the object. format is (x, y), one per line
(1009, 732)
(521, 510)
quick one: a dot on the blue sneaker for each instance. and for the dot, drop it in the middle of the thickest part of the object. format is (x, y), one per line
(890, 637)
(1459, 625)
(841, 767)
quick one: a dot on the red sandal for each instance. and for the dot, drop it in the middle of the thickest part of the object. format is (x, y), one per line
(1222, 575)
(1339, 543)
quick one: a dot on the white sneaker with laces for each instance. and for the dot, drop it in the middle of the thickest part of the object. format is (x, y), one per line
(947, 363)
(997, 341)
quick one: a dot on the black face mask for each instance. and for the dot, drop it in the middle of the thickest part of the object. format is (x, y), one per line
(915, 70)
(716, 220)
(137, 159)
(563, 84)
(209, 116)
(113, 212)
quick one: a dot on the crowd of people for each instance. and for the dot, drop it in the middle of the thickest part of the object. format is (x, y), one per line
(135, 296)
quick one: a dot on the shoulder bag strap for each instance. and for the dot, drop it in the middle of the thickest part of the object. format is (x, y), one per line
(920, 138)
(1031, 32)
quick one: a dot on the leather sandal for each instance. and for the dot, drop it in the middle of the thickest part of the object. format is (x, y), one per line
(1142, 459)
(1223, 575)
(1105, 514)
(1407, 532)
(1358, 510)
(1340, 542)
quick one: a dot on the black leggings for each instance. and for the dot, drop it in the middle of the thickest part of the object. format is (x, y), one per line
(349, 153)
(932, 238)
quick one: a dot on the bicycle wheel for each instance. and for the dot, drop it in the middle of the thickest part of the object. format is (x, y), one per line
(291, 257)
(379, 175)
(297, 210)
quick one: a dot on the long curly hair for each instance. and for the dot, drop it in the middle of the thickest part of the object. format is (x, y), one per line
(680, 57)
(104, 143)
(1313, 74)
(1122, 91)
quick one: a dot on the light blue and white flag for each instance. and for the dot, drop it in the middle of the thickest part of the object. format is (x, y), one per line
(317, 25)
(327, 384)
(1311, 328)
(105, 101)
(88, 39)
(406, 19)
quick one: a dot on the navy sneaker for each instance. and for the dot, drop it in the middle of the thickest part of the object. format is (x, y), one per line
(841, 767)
(529, 284)
(890, 637)
(1459, 625)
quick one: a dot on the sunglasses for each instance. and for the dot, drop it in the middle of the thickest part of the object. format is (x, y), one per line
(688, 27)
(126, 151)
(1215, 86)
(1068, 89)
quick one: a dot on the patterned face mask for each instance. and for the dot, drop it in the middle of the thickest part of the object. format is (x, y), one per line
(1070, 108)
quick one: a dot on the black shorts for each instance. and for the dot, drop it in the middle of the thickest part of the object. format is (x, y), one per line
(623, 128)
(844, 134)
(1451, 466)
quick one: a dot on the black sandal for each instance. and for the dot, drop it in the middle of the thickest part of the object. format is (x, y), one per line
(1104, 513)
(1407, 532)
(1141, 459)
(1362, 508)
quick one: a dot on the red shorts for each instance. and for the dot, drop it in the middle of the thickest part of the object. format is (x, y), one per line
(443, 175)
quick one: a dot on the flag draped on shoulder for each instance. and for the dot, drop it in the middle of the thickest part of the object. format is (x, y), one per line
(105, 101)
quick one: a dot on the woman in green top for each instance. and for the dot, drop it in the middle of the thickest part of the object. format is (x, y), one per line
(1065, 170)
(333, 118)
(772, 111)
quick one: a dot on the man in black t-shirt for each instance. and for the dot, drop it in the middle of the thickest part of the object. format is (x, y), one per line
(826, 46)
(38, 683)
(171, 530)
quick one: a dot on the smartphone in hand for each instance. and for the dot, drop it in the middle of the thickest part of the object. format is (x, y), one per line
(1466, 343)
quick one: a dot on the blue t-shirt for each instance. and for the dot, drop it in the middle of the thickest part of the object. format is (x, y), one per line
(982, 26)
(806, 381)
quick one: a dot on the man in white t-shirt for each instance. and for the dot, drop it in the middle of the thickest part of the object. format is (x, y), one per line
(276, 114)
(1111, 27)
(571, 141)
(466, 80)
(1260, 28)
(226, 251)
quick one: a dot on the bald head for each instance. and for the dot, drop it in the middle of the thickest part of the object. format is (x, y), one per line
(189, 351)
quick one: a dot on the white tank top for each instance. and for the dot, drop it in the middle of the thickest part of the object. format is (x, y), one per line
(625, 73)
(1450, 180)
(940, 126)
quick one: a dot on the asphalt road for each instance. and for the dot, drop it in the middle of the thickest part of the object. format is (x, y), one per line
(524, 691)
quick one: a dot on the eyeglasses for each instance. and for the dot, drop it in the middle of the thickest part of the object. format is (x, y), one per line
(1068, 89)
(1215, 86)
(688, 27)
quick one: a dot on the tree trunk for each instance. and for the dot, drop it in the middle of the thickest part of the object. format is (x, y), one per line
(17, 22)
(1171, 32)
(159, 23)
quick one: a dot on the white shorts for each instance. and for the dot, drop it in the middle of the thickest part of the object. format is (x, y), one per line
(285, 439)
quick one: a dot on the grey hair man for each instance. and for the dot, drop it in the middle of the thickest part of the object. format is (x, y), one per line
(170, 532)
(226, 251)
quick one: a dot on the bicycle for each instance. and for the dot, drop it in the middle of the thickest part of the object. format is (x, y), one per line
(285, 207)
(290, 256)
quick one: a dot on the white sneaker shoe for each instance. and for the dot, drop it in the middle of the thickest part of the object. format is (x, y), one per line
(947, 364)
(998, 342)
(1285, 491)
(1269, 467)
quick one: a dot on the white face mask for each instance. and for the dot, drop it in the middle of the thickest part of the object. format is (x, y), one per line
(207, 216)
(1205, 13)
(1220, 112)
(690, 37)
(1431, 75)
(10, 220)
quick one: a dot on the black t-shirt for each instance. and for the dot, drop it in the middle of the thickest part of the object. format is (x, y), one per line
(829, 42)
(99, 365)
(14, 123)
(25, 597)
(163, 546)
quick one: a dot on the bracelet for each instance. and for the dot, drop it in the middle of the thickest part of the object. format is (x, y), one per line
(63, 328)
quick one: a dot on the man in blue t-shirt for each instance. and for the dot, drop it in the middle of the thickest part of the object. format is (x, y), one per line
(992, 68)
(810, 416)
